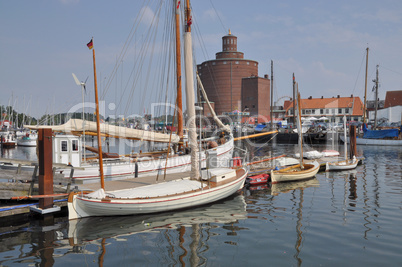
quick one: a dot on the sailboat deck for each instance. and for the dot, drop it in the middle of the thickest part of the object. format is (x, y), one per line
(134, 182)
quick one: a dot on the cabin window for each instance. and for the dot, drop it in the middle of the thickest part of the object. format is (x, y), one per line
(64, 146)
(237, 62)
(74, 145)
(224, 62)
(248, 63)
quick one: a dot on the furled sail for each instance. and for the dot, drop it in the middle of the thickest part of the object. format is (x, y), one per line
(75, 126)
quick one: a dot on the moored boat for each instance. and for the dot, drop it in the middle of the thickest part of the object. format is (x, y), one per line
(346, 164)
(258, 179)
(295, 173)
(302, 170)
(27, 140)
(342, 165)
(197, 189)
(177, 194)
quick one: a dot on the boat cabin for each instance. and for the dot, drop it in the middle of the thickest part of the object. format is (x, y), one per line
(67, 150)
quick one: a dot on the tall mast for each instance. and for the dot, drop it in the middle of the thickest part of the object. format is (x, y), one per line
(376, 99)
(97, 119)
(178, 76)
(365, 89)
(272, 92)
(189, 72)
(188, 17)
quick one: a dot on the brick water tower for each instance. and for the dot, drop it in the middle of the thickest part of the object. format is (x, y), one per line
(222, 77)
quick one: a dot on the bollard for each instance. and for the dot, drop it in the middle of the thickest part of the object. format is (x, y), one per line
(45, 167)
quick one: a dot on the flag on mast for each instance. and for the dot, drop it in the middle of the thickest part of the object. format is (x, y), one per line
(90, 44)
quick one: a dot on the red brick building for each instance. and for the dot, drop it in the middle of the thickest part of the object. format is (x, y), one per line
(255, 96)
(223, 80)
(393, 98)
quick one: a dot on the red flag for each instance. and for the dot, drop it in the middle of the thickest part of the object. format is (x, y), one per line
(90, 44)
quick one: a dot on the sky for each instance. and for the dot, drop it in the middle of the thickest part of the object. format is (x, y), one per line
(323, 42)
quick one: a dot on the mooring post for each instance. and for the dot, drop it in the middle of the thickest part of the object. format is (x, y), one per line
(352, 142)
(45, 167)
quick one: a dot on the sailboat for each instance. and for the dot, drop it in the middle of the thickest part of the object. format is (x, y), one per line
(302, 170)
(197, 189)
(136, 164)
(346, 164)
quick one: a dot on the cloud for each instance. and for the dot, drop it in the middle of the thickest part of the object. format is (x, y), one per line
(382, 15)
(210, 14)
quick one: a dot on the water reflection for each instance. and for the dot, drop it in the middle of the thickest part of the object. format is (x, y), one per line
(186, 231)
(357, 212)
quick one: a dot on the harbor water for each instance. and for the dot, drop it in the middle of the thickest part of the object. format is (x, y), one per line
(348, 218)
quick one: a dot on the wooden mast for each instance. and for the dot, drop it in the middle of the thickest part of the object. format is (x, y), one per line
(178, 77)
(98, 123)
(188, 16)
(365, 89)
(299, 128)
(272, 94)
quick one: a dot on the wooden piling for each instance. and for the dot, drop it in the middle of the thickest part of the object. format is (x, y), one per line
(352, 142)
(45, 167)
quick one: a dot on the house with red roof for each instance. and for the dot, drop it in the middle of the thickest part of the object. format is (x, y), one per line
(333, 108)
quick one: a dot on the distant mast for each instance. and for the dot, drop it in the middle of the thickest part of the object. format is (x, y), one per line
(365, 89)
(272, 93)
(294, 97)
(376, 99)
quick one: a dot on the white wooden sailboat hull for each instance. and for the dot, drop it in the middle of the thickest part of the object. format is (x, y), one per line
(342, 165)
(294, 173)
(83, 206)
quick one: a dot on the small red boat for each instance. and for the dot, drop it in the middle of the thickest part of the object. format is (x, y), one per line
(258, 179)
